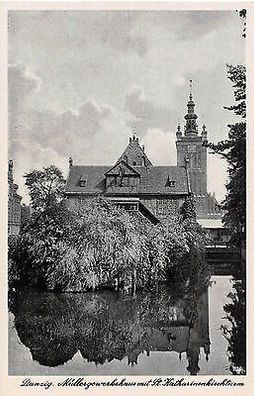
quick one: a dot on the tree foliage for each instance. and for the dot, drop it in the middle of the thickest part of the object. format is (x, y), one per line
(243, 14)
(233, 150)
(235, 334)
(45, 187)
(98, 245)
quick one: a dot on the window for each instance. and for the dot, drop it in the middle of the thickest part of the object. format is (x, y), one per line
(82, 181)
(134, 163)
(160, 207)
(170, 183)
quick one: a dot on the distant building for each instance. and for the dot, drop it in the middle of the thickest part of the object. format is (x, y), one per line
(157, 192)
(216, 231)
(14, 203)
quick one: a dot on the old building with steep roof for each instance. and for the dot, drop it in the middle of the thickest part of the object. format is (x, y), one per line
(133, 183)
(157, 192)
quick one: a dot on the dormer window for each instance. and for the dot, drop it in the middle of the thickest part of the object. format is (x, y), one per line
(82, 181)
(170, 183)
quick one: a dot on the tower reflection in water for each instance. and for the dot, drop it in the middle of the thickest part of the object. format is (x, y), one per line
(105, 326)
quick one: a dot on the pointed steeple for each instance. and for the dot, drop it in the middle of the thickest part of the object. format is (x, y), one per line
(191, 126)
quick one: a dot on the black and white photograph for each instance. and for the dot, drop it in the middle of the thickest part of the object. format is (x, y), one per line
(127, 192)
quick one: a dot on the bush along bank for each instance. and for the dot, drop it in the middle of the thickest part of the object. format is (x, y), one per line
(100, 246)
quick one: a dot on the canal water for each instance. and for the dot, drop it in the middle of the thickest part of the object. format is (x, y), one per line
(105, 333)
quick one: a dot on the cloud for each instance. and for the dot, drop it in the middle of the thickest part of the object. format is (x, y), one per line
(91, 133)
(60, 131)
(64, 131)
(116, 30)
(201, 22)
(75, 98)
(22, 83)
(78, 29)
(160, 147)
(146, 113)
(217, 176)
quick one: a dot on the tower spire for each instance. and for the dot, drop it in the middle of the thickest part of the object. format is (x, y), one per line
(191, 118)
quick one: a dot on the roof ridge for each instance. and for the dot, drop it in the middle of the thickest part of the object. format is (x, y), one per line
(132, 166)
(90, 166)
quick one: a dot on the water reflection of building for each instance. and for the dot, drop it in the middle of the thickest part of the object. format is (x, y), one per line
(55, 327)
(185, 339)
(199, 336)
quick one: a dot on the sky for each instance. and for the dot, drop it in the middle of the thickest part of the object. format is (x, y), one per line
(81, 81)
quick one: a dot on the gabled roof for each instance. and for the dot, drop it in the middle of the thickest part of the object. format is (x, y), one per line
(152, 180)
(134, 154)
(124, 167)
(94, 175)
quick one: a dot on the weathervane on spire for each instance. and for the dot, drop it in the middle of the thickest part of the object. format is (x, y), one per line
(191, 86)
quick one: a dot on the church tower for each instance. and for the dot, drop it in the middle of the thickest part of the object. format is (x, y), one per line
(190, 147)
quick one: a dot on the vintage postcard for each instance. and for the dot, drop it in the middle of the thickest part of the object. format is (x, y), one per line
(124, 261)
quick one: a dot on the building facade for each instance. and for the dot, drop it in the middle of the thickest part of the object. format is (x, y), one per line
(14, 203)
(133, 183)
